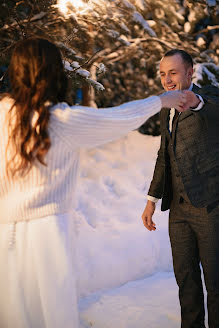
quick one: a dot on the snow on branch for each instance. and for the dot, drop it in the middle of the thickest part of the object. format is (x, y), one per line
(101, 69)
(83, 72)
(98, 86)
(211, 3)
(137, 17)
(128, 4)
(124, 27)
(63, 46)
(25, 21)
(140, 4)
(207, 72)
(75, 68)
(113, 34)
(121, 38)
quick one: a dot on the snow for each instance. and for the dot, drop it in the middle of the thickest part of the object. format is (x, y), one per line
(211, 3)
(140, 4)
(124, 272)
(75, 64)
(62, 45)
(200, 41)
(128, 4)
(148, 303)
(137, 17)
(83, 72)
(187, 27)
(101, 69)
(67, 65)
(68, 6)
(113, 34)
(124, 27)
(123, 39)
(205, 69)
(97, 85)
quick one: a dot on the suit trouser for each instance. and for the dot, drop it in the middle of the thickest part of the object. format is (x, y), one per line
(194, 237)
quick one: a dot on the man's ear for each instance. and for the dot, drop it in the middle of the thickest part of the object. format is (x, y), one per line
(190, 72)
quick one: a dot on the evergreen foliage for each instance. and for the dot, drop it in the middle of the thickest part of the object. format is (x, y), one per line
(127, 37)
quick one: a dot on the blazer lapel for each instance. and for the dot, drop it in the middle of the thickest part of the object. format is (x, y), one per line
(185, 114)
(195, 88)
(166, 118)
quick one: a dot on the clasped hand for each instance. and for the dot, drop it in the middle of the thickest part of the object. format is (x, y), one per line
(181, 100)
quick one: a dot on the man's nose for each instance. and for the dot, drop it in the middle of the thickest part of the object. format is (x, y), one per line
(168, 79)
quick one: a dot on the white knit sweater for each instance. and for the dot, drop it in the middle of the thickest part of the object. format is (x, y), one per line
(50, 189)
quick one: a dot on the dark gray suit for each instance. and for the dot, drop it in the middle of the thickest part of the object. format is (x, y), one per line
(186, 177)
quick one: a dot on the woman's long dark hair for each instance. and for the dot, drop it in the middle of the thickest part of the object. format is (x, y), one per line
(37, 80)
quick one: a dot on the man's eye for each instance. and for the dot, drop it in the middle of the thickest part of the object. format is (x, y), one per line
(173, 73)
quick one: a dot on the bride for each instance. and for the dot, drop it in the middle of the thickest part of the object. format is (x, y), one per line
(40, 141)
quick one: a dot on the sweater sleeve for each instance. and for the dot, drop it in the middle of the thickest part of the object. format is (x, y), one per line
(85, 127)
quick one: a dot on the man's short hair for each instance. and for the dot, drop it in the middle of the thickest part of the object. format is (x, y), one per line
(184, 55)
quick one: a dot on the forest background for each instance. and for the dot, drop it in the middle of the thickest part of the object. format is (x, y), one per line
(112, 48)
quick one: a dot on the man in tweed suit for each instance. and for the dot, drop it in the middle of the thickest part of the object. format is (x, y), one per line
(186, 177)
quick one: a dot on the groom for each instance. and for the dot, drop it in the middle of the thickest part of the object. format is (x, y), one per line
(186, 177)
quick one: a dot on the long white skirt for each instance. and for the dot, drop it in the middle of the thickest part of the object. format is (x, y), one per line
(37, 276)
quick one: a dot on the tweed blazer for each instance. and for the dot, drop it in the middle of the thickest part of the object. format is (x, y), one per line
(196, 153)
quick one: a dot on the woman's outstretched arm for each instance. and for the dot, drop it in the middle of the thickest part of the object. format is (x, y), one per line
(85, 127)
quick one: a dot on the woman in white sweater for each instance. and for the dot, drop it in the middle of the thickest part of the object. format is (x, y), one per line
(40, 141)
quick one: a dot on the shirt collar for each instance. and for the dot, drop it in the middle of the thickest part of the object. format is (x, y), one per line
(191, 86)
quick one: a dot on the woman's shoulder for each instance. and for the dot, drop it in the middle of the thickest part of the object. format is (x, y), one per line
(6, 100)
(64, 110)
(58, 106)
(6, 103)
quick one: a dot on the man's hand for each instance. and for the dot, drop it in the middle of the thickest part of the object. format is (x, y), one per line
(192, 100)
(180, 100)
(147, 216)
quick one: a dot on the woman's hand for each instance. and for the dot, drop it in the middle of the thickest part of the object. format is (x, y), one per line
(180, 100)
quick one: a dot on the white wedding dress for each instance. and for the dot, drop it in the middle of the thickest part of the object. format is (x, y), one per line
(37, 278)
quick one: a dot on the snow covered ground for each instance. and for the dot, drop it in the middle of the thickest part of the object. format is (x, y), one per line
(148, 303)
(124, 272)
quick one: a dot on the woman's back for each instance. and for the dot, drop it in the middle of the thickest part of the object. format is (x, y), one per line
(43, 190)
(49, 189)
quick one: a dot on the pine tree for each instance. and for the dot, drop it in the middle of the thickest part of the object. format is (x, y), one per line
(126, 38)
